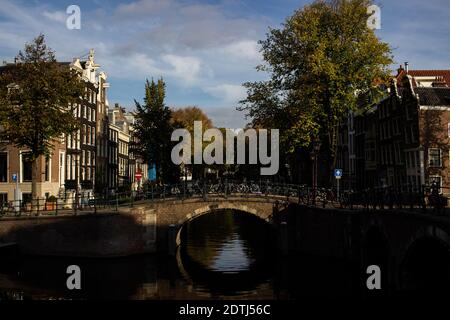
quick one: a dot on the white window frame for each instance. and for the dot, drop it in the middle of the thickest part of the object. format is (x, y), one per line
(61, 168)
(429, 158)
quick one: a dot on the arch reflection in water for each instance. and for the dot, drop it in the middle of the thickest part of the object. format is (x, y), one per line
(228, 253)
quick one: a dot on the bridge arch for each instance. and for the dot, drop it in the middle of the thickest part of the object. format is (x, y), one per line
(212, 208)
(425, 261)
(429, 231)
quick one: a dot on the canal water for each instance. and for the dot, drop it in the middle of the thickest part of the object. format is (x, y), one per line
(224, 255)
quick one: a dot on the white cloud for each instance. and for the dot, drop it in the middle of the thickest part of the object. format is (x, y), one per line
(57, 16)
(247, 49)
(227, 92)
(143, 7)
(187, 69)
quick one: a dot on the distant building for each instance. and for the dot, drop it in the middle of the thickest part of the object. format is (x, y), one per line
(82, 145)
(73, 161)
(129, 163)
(13, 164)
(403, 141)
(113, 160)
(101, 174)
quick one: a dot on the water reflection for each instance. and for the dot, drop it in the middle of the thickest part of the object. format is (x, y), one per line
(229, 254)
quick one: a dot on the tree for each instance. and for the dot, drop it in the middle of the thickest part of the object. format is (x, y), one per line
(36, 98)
(322, 58)
(185, 118)
(153, 129)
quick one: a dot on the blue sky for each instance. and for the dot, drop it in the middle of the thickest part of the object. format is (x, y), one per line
(204, 50)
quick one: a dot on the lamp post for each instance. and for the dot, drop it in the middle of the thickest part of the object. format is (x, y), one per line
(316, 143)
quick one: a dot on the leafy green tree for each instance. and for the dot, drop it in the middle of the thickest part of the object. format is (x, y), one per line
(185, 118)
(37, 95)
(153, 130)
(319, 61)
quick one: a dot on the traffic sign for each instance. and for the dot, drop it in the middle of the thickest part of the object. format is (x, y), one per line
(138, 176)
(338, 173)
(14, 177)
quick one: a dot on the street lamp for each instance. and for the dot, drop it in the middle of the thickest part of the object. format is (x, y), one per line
(316, 143)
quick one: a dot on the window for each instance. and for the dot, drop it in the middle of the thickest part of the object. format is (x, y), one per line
(413, 134)
(413, 160)
(26, 168)
(69, 170)
(47, 169)
(61, 168)
(3, 199)
(434, 157)
(436, 180)
(84, 134)
(3, 167)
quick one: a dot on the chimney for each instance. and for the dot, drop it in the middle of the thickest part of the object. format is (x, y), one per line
(399, 70)
(406, 67)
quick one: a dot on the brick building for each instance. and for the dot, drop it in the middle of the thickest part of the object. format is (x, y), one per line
(403, 140)
(73, 159)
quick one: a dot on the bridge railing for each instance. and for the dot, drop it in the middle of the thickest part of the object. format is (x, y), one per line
(423, 197)
(426, 197)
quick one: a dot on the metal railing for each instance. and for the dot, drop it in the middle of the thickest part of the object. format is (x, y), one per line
(375, 198)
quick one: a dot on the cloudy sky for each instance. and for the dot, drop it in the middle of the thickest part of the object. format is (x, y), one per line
(204, 50)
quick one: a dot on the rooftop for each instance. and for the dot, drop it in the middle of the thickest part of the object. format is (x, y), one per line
(433, 96)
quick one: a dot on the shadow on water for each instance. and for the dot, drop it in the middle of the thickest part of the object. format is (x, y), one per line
(45, 277)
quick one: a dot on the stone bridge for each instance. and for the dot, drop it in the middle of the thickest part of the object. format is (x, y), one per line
(146, 227)
(399, 241)
(167, 218)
